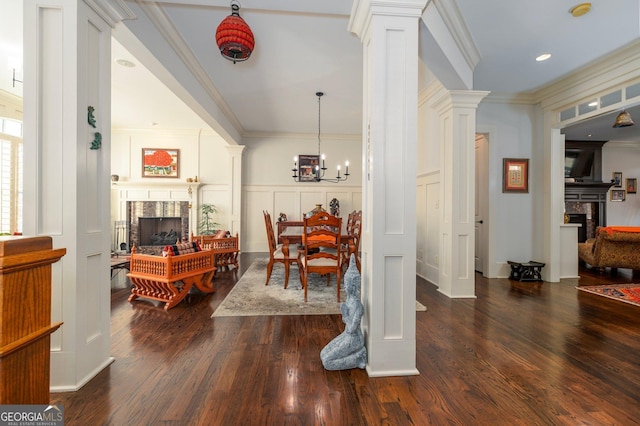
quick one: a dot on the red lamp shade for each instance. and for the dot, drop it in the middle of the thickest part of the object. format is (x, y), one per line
(234, 37)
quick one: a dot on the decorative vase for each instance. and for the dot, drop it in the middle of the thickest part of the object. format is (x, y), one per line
(317, 209)
(115, 178)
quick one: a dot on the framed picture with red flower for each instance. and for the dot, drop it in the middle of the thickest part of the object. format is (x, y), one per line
(160, 162)
(515, 175)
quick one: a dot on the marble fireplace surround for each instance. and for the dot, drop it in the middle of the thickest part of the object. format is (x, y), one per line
(173, 206)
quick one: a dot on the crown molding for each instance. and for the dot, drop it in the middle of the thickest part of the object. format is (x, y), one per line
(455, 23)
(511, 98)
(610, 70)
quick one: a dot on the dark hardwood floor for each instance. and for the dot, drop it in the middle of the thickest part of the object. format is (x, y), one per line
(519, 354)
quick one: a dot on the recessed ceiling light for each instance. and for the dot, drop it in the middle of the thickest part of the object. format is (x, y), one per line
(125, 63)
(543, 57)
(581, 9)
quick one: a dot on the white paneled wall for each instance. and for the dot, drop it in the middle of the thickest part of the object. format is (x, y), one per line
(294, 201)
(428, 226)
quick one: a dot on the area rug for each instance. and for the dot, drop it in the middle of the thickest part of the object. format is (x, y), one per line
(250, 297)
(629, 293)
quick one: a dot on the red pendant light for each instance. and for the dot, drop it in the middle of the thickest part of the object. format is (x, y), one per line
(234, 37)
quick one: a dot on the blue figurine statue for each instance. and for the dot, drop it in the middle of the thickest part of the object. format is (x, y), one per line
(347, 350)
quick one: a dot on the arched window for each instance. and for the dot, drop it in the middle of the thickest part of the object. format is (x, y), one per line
(11, 161)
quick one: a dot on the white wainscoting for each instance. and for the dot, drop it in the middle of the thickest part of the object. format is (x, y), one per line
(292, 200)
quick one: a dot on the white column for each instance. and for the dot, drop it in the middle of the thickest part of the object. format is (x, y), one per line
(389, 34)
(67, 55)
(553, 199)
(235, 219)
(457, 111)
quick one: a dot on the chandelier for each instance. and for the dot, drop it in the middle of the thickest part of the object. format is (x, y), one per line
(234, 37)
(311, 168)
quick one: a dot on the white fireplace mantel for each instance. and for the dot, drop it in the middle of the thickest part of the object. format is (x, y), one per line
(147, 191)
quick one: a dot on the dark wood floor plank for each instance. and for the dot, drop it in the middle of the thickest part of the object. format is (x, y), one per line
(518, 354)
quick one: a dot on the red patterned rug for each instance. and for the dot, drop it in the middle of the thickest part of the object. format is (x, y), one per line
(629, 293)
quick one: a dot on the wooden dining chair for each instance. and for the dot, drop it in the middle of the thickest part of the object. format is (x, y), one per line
(354, 230)
(277, 252)
(321, 253)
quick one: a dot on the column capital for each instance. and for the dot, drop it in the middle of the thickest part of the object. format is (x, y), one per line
(235, 149)
(363, 10)
(459, 99)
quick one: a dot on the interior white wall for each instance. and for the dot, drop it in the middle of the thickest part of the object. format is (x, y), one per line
(427, 191)
(269, 159)
(625, 158)
(203, 154)
(268, 185)
(515, 216)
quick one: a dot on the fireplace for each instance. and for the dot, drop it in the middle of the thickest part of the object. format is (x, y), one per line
(159, 231)
(585, 194)
(155, 224)
(587, 214)
(587, 227)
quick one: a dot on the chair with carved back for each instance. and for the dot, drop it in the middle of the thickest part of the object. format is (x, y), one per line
(277, 252)
(321, 253)
(353, 229)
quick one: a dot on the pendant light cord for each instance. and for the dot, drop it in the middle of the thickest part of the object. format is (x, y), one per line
(319, 96)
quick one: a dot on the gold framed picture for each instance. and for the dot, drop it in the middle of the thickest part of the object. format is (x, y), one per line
(618, 195)
(617, 179)
(160, 163)
(515, 175)
(632, 185)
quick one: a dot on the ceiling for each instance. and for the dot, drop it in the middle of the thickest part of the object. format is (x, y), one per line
(303, 46)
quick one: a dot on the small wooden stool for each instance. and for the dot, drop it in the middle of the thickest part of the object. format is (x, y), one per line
(528, 271)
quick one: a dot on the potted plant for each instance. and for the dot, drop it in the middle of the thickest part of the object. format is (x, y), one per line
(207, 225)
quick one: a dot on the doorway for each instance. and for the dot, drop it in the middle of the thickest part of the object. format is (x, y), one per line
(481, 200)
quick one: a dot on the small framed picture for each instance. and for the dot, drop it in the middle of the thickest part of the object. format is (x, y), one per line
(515, 175)
(632, 185)
(307, 168)
(158, 162)
(618, 194)
(617, 179)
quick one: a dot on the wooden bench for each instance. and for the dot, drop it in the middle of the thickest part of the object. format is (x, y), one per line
(225, 249)
(169, 278)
